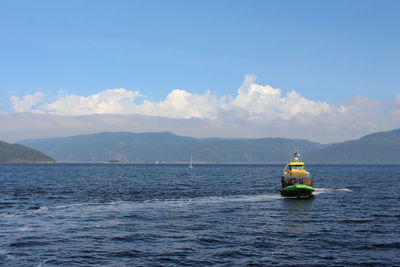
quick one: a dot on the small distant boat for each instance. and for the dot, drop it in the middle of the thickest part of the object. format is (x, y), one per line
(296, 181)
(191, 162)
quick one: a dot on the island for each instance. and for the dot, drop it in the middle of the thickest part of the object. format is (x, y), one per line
(114, 161)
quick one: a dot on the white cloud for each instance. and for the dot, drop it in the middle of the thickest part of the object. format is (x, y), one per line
(26, 103)
(182, 104)
(360, 103)
(253, 102)
(178, 104)
(114, 101)
(256, 111)
(259, 100)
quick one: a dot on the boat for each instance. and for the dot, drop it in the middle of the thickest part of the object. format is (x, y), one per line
(191, 162)
(296, 181)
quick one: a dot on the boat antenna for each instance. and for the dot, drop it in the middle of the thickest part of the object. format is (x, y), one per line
(296, 155)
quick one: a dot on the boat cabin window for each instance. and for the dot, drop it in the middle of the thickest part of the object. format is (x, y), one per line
(297, 167)
(296, 181)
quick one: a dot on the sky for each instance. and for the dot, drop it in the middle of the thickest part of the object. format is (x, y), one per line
(325, 71)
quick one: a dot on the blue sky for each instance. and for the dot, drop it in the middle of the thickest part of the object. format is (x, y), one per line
(327, 51)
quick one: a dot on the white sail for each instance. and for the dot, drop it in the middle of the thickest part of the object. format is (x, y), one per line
(191, 162)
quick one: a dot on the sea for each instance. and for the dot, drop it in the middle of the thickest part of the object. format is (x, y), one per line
(209, 215)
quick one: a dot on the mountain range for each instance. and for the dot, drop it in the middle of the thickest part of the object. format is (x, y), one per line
(382, 147)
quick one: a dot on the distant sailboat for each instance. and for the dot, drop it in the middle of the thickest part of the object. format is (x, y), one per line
(191, 162)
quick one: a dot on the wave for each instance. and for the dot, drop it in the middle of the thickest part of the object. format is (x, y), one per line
(166, 201)
(327, 190)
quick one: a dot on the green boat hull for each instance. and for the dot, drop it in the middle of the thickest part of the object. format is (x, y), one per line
(297, 190)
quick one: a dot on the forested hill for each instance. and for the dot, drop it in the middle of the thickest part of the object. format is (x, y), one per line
(21, 154)
(381, 147)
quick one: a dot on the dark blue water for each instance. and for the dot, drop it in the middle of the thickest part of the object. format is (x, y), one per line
(170, 215)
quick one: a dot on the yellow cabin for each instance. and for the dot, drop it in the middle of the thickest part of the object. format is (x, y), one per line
(295, 169)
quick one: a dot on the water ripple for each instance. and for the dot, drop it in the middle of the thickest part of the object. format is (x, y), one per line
(148, 215)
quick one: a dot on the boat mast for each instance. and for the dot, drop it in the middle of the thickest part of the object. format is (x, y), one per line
(191, 162)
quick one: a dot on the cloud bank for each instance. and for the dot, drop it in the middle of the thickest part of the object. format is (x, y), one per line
(252, 102)
(256, 111)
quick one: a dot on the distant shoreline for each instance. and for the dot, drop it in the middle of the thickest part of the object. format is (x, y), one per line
(202, 163)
